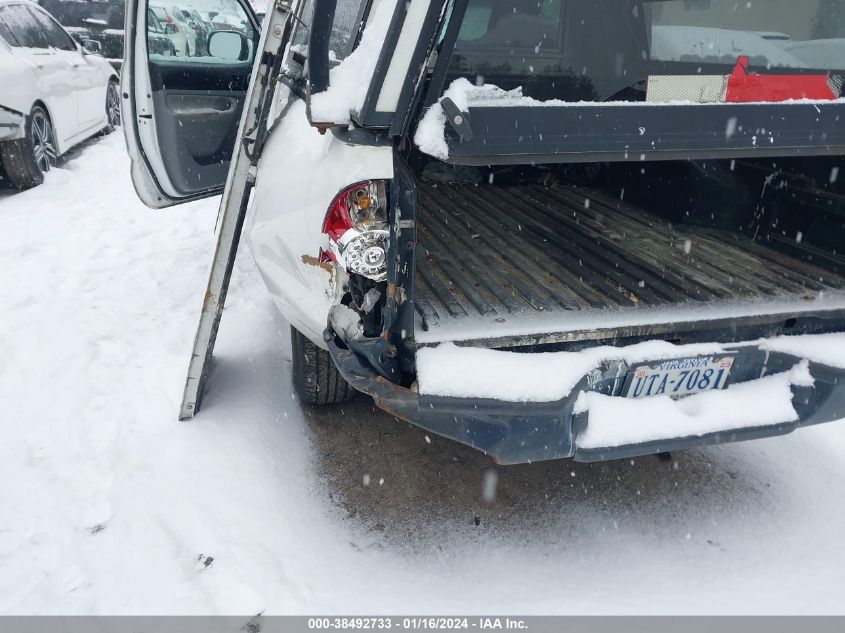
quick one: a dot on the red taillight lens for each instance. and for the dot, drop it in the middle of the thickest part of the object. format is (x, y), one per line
(356, 224)
(362, 206)
(337, 220)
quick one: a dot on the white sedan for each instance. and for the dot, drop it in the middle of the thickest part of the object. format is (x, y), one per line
(54, 93)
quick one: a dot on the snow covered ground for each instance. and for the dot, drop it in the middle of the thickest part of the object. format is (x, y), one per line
(108, 505)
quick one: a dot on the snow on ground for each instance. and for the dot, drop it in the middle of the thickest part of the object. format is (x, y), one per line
(108, 505)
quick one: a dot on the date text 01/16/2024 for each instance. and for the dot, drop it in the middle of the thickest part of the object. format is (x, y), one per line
(429, 623)
(681, 377)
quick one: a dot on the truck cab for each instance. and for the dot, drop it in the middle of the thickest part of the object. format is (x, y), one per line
(543, 228)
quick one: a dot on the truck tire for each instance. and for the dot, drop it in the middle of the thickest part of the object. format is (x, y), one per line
(315, 377)
(25, 160)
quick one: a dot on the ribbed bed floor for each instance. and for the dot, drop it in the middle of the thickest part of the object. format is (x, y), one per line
(489, 251)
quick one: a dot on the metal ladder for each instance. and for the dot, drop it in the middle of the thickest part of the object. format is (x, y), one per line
(252, 133)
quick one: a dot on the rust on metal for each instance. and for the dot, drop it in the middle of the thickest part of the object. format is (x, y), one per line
(322, 126)
(386, 405)
(310, 260)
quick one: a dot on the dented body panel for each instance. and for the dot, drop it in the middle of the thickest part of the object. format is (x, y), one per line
(299, 174)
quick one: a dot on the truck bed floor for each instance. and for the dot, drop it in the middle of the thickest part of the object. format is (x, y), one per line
(505, 253)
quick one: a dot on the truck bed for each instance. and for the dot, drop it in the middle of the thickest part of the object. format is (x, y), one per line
(535, 259)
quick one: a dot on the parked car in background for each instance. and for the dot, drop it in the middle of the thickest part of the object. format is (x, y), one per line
(180, 33)
(203, 20)
(228, 22)
(104, 13)
(198, 26)
(79, 33)
(100, 20)
(55, 92)
(158, 42)
(79, 20)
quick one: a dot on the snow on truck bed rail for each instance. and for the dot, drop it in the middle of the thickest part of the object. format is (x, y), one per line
(430, 136)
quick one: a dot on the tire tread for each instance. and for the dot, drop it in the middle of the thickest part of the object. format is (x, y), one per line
(18, 157)
(19, 163)
(315, 376)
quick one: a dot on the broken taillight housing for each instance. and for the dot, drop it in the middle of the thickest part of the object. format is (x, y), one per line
(356, 225)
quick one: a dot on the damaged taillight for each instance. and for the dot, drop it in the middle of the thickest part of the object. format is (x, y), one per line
(356, 225)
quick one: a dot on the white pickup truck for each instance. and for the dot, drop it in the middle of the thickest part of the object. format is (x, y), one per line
(543, 228)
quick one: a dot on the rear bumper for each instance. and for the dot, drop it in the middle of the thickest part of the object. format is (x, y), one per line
(12, 125)
(514, 433)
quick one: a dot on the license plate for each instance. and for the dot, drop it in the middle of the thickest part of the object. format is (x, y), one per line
(680, 377)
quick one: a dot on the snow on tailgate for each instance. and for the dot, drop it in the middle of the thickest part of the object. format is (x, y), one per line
(826, 349)
(469, 372)
(464, 372)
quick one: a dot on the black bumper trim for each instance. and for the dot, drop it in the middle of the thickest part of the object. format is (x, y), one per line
(515, 433)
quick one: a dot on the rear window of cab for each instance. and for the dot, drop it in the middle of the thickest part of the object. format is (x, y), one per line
(606, 50)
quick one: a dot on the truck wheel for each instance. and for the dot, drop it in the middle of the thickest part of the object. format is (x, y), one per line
(316, 379)
(25, 160)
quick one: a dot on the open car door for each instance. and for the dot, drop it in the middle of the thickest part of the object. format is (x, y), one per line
(183, 103)
(195, 123)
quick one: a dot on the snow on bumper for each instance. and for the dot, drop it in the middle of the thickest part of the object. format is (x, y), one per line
(615, 421)
(773, 393)
(11, 124)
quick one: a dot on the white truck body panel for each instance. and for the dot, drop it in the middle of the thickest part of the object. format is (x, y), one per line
(300, 173)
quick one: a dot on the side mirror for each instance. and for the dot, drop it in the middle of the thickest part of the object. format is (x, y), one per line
(228, 45)
(169, 29)
(92, 47)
